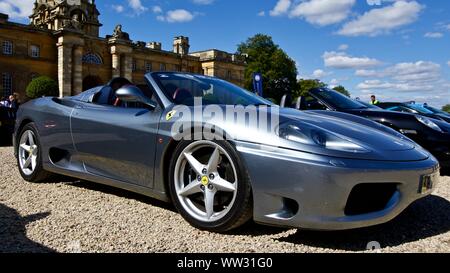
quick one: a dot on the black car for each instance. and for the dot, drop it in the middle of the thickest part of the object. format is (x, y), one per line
(413, 109)
(7, 119)
(431, 134)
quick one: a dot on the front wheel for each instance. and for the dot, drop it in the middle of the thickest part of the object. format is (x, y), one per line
(210, 186)
(29, 155)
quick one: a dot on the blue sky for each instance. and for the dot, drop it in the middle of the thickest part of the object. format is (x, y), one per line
(396, 49)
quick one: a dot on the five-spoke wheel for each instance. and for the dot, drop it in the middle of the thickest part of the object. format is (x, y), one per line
(29, 154)
(209, 186)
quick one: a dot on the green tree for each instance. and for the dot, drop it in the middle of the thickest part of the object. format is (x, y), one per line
(446, 108)
(278, 70)
(42, 86)
(304, 85)
(342, 90)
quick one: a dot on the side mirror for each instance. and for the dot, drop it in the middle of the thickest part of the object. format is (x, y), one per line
(134, 94)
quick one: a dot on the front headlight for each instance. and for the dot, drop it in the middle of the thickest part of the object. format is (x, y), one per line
(429, 123)
(311, 135)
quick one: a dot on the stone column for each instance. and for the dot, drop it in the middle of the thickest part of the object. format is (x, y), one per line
(69, 62)
(77, 70)
(115, 64)
(65, 69)
(127, 68)
(121, 52)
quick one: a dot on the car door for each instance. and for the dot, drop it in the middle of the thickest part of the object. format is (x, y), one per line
(117, 142)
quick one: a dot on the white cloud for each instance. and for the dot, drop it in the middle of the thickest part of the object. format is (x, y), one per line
(319, 74)
(157, 9)
(383, 85)
(448, 63)
(343, 47)
(177, 16)
(323, 12)
(434, 35)
(418, 71)
(136, 6)
(341, 60)
(118, 8)
(406, 72)
(408, 77)
(203, 2)
(383, 20)
(334, 83)
(17, 9)
(367, 73)
(281, 8)
(262, 13)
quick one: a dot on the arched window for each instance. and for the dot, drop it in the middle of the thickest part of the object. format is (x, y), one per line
(92, 58)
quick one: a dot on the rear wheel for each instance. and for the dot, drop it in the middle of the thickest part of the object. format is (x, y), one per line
(29, 155)
(209, 185)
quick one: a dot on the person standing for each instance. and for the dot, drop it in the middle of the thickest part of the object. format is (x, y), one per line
(373, 100)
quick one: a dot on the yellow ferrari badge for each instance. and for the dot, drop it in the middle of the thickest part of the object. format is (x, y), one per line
(170, 115)
(205, 180)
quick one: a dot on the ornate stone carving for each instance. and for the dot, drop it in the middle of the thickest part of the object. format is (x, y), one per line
(119, 34)
(73, 23)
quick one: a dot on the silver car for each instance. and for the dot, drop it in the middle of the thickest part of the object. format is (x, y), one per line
(223, 155)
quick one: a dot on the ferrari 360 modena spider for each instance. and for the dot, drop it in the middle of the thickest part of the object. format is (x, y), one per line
(204, 144)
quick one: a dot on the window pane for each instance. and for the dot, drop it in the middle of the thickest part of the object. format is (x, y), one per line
(92, 58)
(148, 67)
(7, 84)
(7, 47)
(35, 51)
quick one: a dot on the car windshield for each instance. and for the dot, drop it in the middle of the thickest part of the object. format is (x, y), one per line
(420, 109)
(184, 89)
(336, 99)
(435, 110)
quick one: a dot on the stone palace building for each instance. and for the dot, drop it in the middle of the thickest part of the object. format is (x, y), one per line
(62, 41)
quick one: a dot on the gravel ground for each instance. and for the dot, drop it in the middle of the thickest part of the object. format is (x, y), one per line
(85, 217)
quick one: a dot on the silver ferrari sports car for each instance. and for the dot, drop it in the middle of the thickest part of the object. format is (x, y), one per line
(223, 155)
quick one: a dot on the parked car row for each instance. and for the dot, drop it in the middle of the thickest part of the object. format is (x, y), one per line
(325, 170)
(430, 130)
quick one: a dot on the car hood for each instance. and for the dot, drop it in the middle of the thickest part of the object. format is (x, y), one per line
(358, 133)
(380, 144)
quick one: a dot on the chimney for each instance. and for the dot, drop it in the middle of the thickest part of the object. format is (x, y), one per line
(4, 18)
(154, 45)
(181, 45)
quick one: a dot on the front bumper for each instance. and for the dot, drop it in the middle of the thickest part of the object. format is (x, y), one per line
(296, 189)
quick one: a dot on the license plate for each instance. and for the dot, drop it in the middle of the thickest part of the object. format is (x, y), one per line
(428, 182)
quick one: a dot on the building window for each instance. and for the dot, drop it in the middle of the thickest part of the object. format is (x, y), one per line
(162, 67)
(35, 51)
(7, 84)
(148, 67)
(134, 66)
(177, 67)
(229, 74)
(7, 47)
(92, 58)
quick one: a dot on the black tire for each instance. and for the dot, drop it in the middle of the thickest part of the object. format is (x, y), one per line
(38, 174)
(242, 209)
